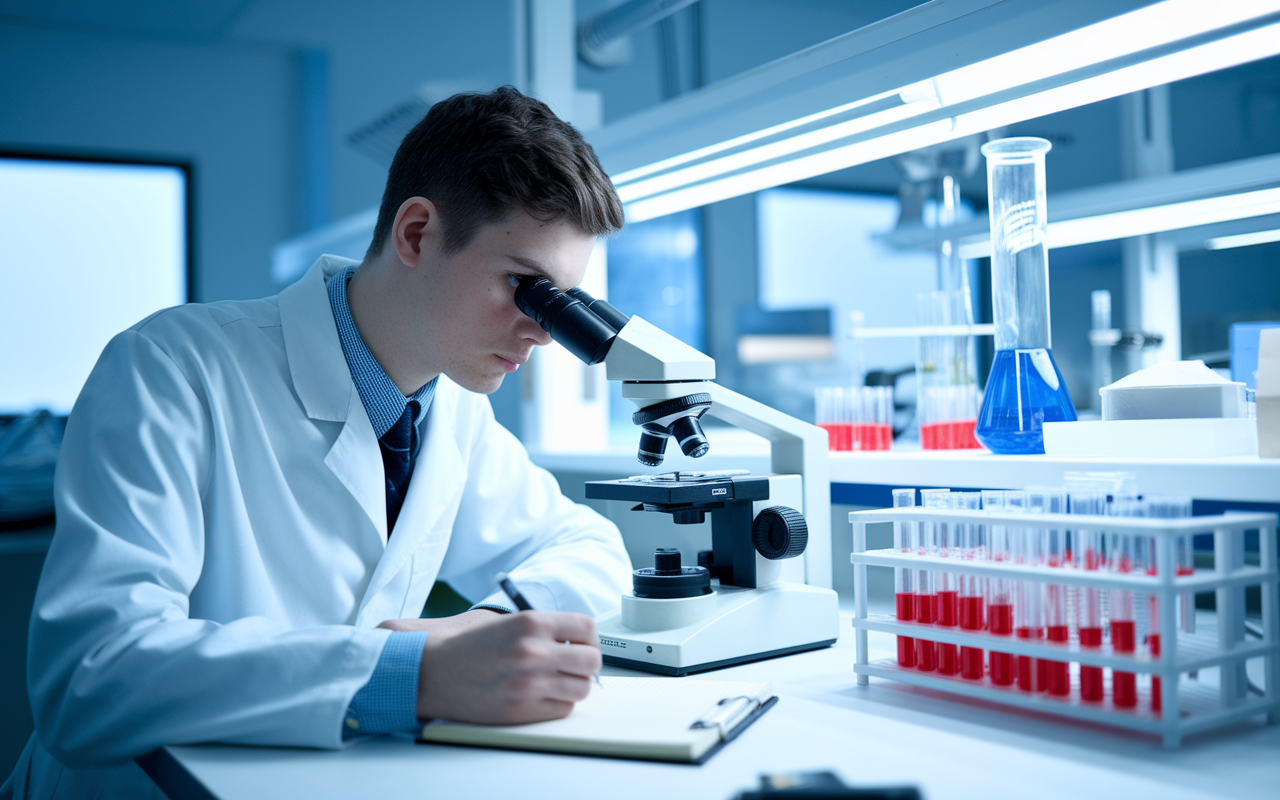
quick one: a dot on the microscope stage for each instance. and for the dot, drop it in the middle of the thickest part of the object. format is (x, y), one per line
(681, 488)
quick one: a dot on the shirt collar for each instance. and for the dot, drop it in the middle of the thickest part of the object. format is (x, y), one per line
(383, 401)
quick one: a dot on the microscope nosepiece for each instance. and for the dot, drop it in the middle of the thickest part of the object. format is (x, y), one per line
(677, 418)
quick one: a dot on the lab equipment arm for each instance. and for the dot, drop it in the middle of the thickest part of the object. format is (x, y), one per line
(116, 665)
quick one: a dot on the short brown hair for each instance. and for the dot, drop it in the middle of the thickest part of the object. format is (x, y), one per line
(478, 157)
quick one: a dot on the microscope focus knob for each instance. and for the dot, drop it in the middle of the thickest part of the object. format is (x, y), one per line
(779, 532)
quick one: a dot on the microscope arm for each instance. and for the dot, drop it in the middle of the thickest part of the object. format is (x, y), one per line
(795, 447)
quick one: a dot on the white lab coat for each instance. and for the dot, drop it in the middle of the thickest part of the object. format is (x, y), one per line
(221, 557)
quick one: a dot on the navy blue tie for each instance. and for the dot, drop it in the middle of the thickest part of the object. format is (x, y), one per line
(399, 446)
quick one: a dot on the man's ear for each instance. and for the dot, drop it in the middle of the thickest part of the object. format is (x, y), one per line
(416, 228)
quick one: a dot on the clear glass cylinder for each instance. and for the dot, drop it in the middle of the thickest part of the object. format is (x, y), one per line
(1019, 234)
(1025, 388)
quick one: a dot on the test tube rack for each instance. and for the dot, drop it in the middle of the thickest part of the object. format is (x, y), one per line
(1188, 707)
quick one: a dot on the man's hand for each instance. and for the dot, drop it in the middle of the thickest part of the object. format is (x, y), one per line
(509, 669)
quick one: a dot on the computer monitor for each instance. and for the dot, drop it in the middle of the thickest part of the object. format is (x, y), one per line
(88, 247)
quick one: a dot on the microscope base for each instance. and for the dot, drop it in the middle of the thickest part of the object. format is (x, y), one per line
(745, 625)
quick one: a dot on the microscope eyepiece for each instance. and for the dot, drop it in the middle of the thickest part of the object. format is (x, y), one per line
(568, 319)
(602, 309)
(586, 327)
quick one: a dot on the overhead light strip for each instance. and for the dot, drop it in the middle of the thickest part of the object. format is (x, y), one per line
(917, 123)
(1242, 240)
(1146, 221)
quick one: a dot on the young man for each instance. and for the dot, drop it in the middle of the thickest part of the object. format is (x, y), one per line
(254, 498)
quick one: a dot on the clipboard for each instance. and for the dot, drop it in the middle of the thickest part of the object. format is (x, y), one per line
(678, 720)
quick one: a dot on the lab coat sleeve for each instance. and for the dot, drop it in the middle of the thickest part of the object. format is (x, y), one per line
(513, 518)
(116, 666)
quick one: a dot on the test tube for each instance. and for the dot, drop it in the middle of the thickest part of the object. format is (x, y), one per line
(948, 584)
(972, 616)
(926, 589)
(904, 596)
(1123, 557)
(1178, 507)
(1166, 506)
(1028, 620)
(845, 420)
(1089, 558)
(999, 591)
(1057, 674)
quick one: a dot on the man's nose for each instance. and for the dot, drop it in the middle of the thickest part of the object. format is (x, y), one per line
(532, 330)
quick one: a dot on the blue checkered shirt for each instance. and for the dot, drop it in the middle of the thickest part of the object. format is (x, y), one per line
(389, 701)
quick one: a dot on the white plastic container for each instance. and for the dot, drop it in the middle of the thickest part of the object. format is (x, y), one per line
(1152, 438)
(1173, 390)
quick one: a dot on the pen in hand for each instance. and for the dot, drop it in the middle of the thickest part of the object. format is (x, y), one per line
(517, 599)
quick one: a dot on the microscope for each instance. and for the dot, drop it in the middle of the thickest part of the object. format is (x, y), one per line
(733, 606)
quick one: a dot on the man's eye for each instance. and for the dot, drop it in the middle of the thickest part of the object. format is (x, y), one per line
(514, 280)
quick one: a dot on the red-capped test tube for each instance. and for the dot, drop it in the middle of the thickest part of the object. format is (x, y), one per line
(926, 589)
(904, 579)
(1169, 507)
(999, 591)
(1057, 627)
(971, 600)
(1088, 553)
(1028, 619)
(1125, 556)
(948, 583)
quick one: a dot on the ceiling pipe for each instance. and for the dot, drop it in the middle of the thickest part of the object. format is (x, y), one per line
(602, 38)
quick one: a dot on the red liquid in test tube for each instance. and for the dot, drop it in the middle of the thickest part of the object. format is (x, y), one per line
(1124, 553)
(970, 602)
(926, 589)
(1027, 619)
(1090, 608)
(999, 592)
(1052, 676)
(904, 595)
(1153, 638)
(1169, 507)
(1153, 646)
(948, 615)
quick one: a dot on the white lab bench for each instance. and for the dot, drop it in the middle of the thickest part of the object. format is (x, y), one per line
(1246, 479)
(1243, 479)
(882, 734)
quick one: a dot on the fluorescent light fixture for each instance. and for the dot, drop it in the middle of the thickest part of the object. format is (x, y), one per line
(1146, 221)
(1150, 46)
(1242, 240)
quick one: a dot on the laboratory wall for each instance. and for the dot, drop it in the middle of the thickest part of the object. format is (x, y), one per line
(226, 91)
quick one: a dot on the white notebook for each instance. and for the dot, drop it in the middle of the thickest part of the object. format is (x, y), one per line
(658, 719)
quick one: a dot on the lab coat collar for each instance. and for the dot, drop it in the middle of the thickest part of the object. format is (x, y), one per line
(423, 527)
(323, 382)
(324, 385)
(319, 371)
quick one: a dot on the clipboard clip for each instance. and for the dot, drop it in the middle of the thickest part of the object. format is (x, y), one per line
(727, 713)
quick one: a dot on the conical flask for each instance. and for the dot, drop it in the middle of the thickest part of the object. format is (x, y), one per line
(1025, 388)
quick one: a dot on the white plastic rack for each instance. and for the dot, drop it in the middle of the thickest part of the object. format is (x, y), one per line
(1188, 706)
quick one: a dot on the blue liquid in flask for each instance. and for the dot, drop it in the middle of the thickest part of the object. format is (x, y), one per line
(1024, 391)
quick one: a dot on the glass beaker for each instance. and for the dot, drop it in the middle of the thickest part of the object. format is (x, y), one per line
(1025, 388)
